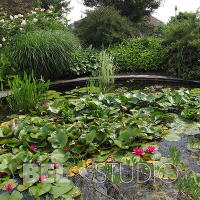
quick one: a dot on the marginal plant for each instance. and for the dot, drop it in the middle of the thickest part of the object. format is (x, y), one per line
(26, 92)
(106, 70)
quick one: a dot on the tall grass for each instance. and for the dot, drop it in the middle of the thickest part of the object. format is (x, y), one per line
(106, 70)
(26, 93)
(47, 53)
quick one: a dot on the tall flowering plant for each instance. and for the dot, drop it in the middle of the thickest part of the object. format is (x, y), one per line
(37, 18)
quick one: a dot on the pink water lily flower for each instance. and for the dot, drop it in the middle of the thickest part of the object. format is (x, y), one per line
(138, 151)
(42, 178)
(45, 104)
(9, 187)
(33, 147)
(56, 165)
(151, 149)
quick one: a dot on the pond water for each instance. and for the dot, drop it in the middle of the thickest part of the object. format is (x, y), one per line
(153, 188)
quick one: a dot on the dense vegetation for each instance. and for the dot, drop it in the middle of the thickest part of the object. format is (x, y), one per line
(104, 26)
(65, 133)
(141, 54)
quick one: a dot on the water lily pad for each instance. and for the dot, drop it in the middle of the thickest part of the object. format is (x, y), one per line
(40, 189)
(61, 188)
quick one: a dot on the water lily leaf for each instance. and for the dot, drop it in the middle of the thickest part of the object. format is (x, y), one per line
(4, 196)
(22, 188)
(15, 195)
(75, 192)
(58, 139)
(40, 189)
(172, 137)
(61, 188)
(60, 156)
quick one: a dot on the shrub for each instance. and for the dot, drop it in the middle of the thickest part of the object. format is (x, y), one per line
(141, 54)
(47, 53)
(86, 62)
(26, 93)
(36, 19)
(183, 46)
(102, 27)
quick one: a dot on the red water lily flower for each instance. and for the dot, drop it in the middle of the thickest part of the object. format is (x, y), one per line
(58, 121)
(151, 149)
(138, 151)
(2, 174)
(9, 187)
(45, 104)
(42, 178)
(33, 147)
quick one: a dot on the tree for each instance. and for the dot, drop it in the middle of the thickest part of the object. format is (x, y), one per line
(135, 10)
(103, 26)
(183, 44)
(58, 4)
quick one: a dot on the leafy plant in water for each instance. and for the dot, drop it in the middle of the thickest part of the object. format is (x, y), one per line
(26, 92)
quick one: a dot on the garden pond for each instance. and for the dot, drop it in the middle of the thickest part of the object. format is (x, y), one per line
(140, 140)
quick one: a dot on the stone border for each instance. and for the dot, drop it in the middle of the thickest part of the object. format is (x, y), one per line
(147, 77)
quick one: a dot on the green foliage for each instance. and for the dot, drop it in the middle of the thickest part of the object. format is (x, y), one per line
(134, 10)
(106, 71)
(183, 46)
(141, 54)
(47, 53)
(86, 62)
(5, 67)
(103, 26)
(26, 92)
(99, 126)
(190, 185)
(37, 19)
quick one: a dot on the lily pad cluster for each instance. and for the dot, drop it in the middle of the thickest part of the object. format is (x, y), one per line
(67, 130)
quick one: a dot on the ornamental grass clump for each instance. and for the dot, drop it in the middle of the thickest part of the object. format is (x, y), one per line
(47, 53)
(26, 92)
(106, 70)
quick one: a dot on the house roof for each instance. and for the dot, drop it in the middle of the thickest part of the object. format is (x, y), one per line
(155, 21)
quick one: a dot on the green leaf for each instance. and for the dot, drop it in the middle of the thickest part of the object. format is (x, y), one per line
(172, 137)
(59, 156)
(58, 139)
(61, 188)
(40, 189)
(16, 196)
(4, 196)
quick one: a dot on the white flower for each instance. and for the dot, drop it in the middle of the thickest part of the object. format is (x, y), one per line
(2, 20)
(63, 8)
(49, 11)
(36, 9)
(33, 12)
(11, 17)
(51, 7)
(21, 29)
(42, 9)
(3, 39)
(23, 22)
(20, 15)
(1, 45)
(35, 20)
(16, 16)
